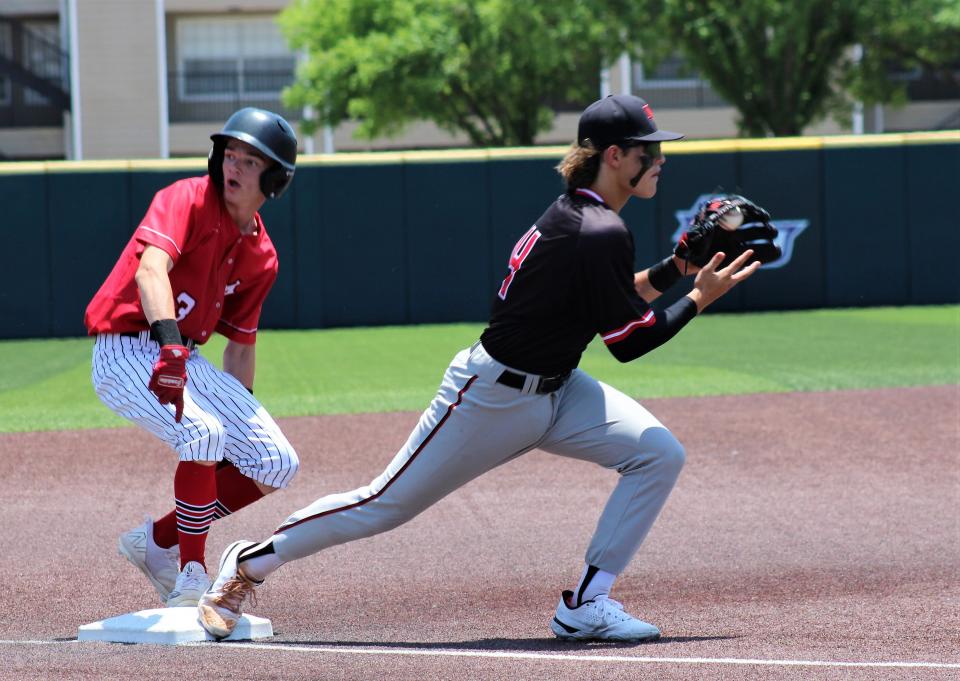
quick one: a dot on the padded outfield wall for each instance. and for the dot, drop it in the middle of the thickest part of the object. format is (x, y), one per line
(418, 237)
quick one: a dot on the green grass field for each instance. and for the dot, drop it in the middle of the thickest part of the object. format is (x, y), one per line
(45, 384)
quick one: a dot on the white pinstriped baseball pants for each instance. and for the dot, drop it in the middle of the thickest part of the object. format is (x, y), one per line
(475, 424)
(221, 419)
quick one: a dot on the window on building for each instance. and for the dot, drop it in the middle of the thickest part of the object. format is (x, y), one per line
(673, 84)
(43, 57)
(6, 49)
(231, 58)
(924, 83)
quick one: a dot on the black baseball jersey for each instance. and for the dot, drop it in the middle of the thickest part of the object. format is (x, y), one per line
(571, 277)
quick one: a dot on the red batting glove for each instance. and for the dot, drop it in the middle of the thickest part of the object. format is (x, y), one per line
(170, 376)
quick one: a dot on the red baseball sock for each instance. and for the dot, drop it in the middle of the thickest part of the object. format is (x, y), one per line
(195, 491)
(234, 490)
(165, 530)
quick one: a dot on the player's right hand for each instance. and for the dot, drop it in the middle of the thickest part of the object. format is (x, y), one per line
(170, 377)
(712, 281)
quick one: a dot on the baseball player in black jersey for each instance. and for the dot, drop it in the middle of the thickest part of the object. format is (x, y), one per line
(569, 277)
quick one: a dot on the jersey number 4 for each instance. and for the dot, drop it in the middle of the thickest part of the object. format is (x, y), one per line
(520, 253)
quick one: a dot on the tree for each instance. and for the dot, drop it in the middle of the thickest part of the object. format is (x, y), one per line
(488, 68)
(906, 35)
(787, 63)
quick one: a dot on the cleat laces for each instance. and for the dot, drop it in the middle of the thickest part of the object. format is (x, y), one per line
(235, 591)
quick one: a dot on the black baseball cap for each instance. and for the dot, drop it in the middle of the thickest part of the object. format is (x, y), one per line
(620, 118)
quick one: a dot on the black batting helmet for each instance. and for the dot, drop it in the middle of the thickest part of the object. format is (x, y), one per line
(269, 134)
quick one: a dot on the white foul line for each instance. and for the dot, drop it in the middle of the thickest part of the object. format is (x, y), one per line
(543, 656)
(585, 658)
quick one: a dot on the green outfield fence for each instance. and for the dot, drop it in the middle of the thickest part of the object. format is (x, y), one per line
(422, 237)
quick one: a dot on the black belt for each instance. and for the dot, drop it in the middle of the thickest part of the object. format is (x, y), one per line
(188, 343)
(545, 384)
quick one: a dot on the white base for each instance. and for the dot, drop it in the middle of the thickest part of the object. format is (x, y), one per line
(168, 626)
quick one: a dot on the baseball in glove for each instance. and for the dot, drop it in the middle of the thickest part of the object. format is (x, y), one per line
(732, 224)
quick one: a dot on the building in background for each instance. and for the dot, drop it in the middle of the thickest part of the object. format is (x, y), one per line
(99, 79)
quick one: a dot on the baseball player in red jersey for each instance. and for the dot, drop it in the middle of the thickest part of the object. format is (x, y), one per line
(569, 278)
(200, 261)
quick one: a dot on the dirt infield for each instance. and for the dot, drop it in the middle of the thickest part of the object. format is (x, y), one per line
(807, 530)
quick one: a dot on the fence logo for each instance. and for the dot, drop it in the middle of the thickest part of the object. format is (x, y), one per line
(787, 230)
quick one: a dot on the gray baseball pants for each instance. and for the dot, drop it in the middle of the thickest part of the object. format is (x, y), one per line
(475, 424)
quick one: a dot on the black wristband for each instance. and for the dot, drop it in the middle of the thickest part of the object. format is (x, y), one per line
(664, 274)
(166, 332)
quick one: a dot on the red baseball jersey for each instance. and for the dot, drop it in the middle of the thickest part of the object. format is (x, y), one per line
(220, 277)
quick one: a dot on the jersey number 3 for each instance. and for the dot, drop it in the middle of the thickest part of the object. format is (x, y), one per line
(185, 305)
(520, 253)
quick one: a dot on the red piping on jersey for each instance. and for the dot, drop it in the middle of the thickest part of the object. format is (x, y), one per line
(406, 465)
(164, 236)
(617, 335)
(238, 328)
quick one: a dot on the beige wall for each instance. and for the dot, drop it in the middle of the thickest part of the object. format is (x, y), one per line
(694, 123)
(193, 139)
(221, 6)
(118, 84)
(32, 143)
(15, 7)
(920, 115)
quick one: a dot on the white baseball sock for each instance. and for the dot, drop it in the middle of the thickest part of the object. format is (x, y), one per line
(258, 561)
(594, 583)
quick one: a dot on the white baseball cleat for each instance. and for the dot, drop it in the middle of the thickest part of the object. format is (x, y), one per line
(222, 605)
(191, 583)
(602, 619)
(161, 566)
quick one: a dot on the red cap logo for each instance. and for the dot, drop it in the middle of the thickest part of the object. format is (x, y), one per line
(647, 110)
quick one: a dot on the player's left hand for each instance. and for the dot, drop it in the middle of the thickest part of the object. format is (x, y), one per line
(711, 232)
(170, 377)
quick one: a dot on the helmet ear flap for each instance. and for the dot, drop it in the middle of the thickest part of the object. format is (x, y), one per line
(215, 162)
(275, 180)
